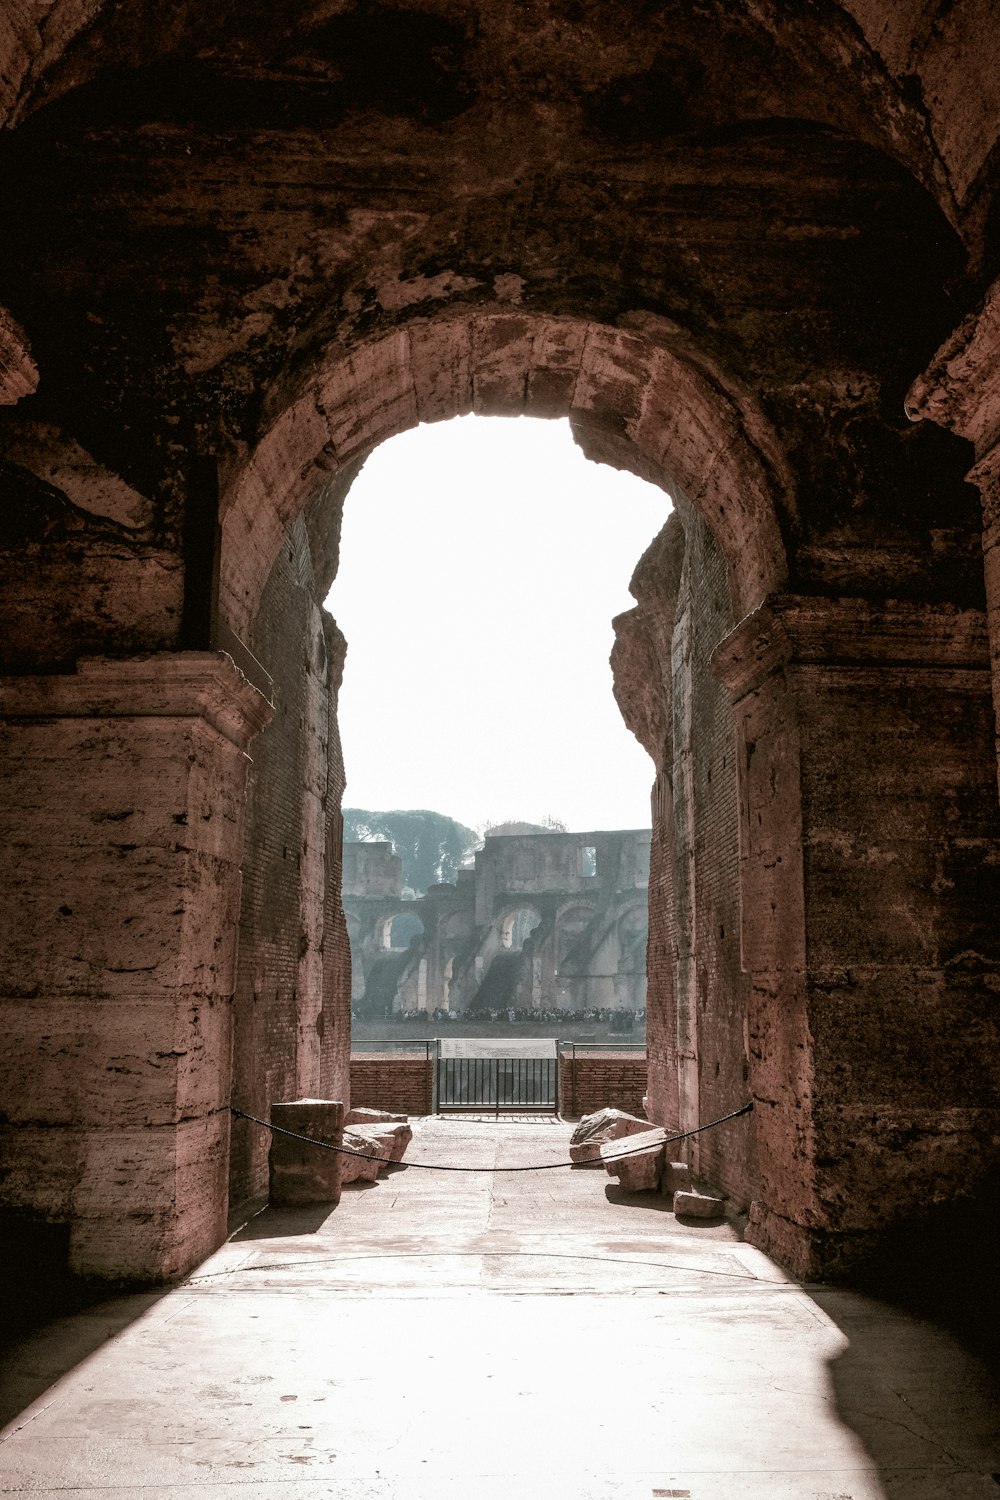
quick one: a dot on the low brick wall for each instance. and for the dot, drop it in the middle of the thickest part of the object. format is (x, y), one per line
(401, 1082)
(594, 1080)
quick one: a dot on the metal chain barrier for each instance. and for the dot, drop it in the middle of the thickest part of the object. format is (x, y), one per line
(425, 1166)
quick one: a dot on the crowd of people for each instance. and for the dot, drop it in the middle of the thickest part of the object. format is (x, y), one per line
(615, 1020)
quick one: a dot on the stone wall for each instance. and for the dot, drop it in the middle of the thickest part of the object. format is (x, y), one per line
(122, 821)
(698, 991)
(400, 1082)
(291, 1018)
(710, 989)
(594, 1080)
(206, 326)
(545, 922)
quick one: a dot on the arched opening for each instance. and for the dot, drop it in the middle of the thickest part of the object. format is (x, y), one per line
(399, 932)
(632, 401)
(517, 927)
(716, 268)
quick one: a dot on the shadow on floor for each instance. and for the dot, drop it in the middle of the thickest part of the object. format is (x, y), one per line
(34, 1362)
(651, 1202)
(279, 1223)
(919, 1378)
(916, 1396)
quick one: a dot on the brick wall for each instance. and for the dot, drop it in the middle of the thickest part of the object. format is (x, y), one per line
(697, 991)
(291, 1021)
(720, 990)
(401, 1082)
(597, 1080)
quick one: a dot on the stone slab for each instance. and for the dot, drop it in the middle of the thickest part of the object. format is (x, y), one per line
(362, 1116)
(694, 1205)
(676, 1178)
(639, 1170)
(601, 1126)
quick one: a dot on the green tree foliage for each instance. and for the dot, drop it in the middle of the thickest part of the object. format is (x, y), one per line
(433, 847)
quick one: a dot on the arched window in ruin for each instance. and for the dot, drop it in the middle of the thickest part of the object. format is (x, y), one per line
(517, 926)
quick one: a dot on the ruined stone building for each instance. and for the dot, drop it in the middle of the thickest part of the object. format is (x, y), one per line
(751, 252)
(544, 922)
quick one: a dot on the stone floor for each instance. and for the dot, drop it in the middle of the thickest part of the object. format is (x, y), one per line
(528, 1335)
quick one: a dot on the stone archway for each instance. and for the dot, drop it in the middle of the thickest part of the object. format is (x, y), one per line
(638, 397)
(631, 398)
(174, 372)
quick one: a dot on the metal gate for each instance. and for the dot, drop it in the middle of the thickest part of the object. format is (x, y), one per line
(498, 1075)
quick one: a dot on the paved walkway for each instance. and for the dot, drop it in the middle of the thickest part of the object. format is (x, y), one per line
(533, 1335)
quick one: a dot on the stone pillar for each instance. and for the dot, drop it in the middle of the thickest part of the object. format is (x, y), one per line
(870, 884)
(300, 1173)
(122, 832)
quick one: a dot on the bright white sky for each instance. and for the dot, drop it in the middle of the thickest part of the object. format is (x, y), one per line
(481, 563)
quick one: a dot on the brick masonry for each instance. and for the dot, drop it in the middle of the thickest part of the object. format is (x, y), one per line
(598, 1080)
(398, 1082)
(292, 1000)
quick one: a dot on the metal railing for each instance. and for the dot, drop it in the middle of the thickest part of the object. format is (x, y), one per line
(497, 1083)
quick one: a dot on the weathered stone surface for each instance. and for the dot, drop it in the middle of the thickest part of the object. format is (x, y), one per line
(696, 1205)
(391, 1140)
(361, 1116)
(546, 868)
(300, 1172)
(18, 371)
(722, 247)
(638, 1171)
(362, 1166)
(595, 1130)
(676, 1178)
(129, 780)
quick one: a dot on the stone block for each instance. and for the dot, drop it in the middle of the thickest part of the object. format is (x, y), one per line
(300, 1172)
(694, 1205)
(676, 1178)
(639, 1171)
(391, 1140)
(595, 1130)
(372, 1117)
(362, 1166)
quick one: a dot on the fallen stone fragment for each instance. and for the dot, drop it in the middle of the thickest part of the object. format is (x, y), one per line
(392, 1139)
(676, 1178)
(594, 1130)
(639, 1171)
(373, 1117)
(362, 1167)
(696, 1205)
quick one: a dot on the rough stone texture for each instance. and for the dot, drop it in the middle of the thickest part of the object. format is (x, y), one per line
(639, 1171)
(676, 1178)
(122, 820)
(361, 1166)
(390, 1140)
(893, 958)
(695, 1205)
(18, 371)
(291, 1019)
(300, 1173)
(698, 989)
(724, 240)
(545, 921)
(594, 1130)
(363, 1116)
